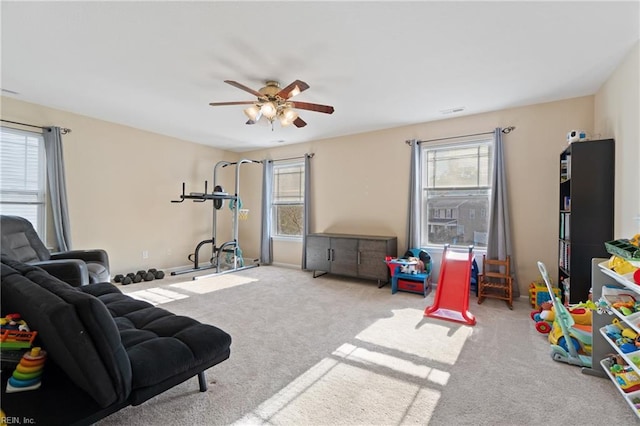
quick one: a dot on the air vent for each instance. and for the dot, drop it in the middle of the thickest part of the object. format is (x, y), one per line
(452, 110)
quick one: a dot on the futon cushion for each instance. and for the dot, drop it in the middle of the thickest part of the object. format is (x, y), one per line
(73, 327)
(160, 344)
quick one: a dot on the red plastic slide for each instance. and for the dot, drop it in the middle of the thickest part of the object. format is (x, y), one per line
(452, 294)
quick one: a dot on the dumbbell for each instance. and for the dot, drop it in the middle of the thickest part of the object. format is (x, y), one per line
(157, 274)
(148, 276)
(118, 278)
(127, 279)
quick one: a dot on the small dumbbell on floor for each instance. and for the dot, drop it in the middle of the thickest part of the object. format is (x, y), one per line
(130, 278)
(158, 275)
(150, 275)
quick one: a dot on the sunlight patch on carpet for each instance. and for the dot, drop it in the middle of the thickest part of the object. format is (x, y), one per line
(408, 331)
(360, 355)
(156, 296)
(220, 282)
(335, 393)
(397, 374)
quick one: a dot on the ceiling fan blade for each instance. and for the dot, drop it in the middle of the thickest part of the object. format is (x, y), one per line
(293, 89)
(313, 107)
(245, 88)
(299, 122)
(231, 103)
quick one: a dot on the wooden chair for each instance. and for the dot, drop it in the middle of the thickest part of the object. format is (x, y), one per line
(495, 280)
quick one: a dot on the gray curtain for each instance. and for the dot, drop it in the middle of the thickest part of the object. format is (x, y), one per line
(266, 250)
(414, 220)
(307, 207)
(499, 238)
(57, 187)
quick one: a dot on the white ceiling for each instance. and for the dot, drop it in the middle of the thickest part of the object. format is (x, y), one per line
(157, 65)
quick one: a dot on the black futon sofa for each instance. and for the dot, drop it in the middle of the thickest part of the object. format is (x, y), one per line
(105, 350)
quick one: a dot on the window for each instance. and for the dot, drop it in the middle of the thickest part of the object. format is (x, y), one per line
(22, 176)
(456, 192)
(288, 200)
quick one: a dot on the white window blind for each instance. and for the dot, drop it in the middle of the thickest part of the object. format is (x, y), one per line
(456, 190)
(22, 176)
(288, 199)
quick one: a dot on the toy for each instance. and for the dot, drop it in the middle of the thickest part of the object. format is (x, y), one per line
(625, 249)
(544, 317)
(624, 337)
(15, 333)
(538, 293)
(410, 273)
(410, 267)
(28, 373)
(625, 376)
(620, 265)
(619, 300)
(570, 342)
(628, 380)
(13, 322)
(576, 135)
(451, 302)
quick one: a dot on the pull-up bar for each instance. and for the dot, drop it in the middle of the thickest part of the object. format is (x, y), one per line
(201, 197)
(218, 196)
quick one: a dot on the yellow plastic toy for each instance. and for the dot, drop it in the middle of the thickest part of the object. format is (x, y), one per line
(620, 266)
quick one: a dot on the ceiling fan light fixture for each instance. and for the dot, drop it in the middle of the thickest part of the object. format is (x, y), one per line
(269, 110)
(288, 116)
(252, 112)
(273, 104)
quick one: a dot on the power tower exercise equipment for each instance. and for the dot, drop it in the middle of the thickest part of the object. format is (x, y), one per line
(230, 248)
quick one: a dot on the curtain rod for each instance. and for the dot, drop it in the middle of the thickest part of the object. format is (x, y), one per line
(63, 130)
(506, 130)
(293, 158)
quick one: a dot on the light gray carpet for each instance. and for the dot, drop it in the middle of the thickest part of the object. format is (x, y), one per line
(334, 351)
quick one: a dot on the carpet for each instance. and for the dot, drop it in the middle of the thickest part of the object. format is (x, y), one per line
(338, 351)
(219, 282)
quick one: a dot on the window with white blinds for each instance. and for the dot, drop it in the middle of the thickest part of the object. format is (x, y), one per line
(456, 188)
(22, 176)
(288, 199)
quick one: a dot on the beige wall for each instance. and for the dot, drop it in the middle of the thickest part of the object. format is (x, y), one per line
(120, 181)
(617, 112)
(360, 181)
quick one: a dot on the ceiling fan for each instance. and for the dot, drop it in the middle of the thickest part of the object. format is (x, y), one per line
(274, 103)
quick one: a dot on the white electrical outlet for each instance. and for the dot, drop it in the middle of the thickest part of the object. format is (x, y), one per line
(145, 254)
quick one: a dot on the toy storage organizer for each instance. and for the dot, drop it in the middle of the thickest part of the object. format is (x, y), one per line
(418, 282)
(603, 345)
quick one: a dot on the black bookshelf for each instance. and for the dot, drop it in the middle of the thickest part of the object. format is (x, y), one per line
(587, 175)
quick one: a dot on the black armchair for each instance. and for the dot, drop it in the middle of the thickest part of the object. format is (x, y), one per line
(76, 267)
